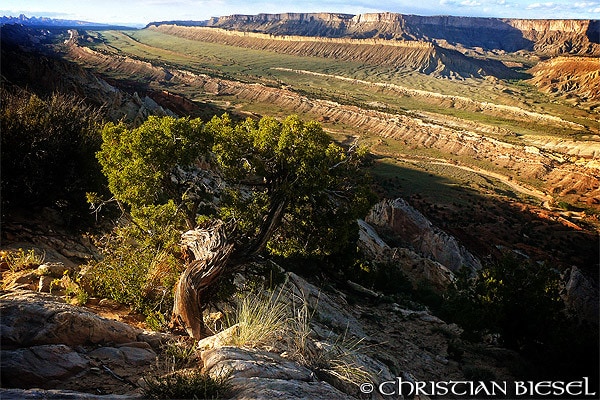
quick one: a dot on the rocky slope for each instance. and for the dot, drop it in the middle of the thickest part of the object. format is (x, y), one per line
(405, 55)
(26, 59)
(575, 78)
(549, 37)
(52, 349)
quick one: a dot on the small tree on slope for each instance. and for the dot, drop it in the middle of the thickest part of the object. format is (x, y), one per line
(288, 189)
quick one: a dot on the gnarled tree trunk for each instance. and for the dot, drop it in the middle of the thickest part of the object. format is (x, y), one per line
(210, 252)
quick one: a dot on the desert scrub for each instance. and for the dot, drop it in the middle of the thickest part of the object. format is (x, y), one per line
(73, 293)
(20, 259)
(274, 319)
(136, 272)
(177, 375)
(181, 353)
(186, 384)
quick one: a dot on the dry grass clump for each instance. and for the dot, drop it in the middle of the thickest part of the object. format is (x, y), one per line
(262, 319)
(277, 321)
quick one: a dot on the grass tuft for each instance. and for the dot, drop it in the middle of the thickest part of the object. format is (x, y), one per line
(262, 319)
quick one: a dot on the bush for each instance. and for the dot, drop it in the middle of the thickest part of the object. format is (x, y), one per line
(48, 148)
(520, 301)
(186, 384)
(136, 271)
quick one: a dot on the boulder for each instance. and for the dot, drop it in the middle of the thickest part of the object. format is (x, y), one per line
(581, 296)
(326, 308)
(36, 394)
(54, 269)
(126, 355)
(415, 267)
(413, 230)
(268, 389)
(40, 366)
(30, 318)
(257, 374)
(249, 363)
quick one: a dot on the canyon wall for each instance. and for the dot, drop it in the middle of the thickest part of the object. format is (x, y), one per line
(405, 55)
(549, 37)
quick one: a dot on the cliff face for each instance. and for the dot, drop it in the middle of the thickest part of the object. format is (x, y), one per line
(406, 55)
(542, 36)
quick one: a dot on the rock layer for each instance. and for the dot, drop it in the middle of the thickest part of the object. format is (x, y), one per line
(549, 37)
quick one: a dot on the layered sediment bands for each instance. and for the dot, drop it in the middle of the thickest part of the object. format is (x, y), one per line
(571, 77)
(547, 165)
(459, 102)
(404, 55)
(549, 37)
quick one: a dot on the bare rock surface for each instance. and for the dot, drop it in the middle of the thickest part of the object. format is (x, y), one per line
(27, 394)
(30, 318)
(48, 344)
(412, 229)
(415, 267)
(581, 296)
(258, 374)
(252, 363)
(267, 389)
(40, 366)
(328, 309)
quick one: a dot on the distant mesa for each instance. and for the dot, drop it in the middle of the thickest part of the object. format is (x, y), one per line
(52, 22)
(544, 37)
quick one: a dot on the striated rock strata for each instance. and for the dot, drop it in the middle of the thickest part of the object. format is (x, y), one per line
(548, 37)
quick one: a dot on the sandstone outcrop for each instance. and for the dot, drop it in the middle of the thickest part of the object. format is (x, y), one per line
(48, 344)
(417, 268)
(548, 37)
(581, 296)
(404, 225)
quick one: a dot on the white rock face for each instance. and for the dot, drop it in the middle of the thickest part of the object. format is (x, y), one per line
(415, 231)
(30, 318)
(414, 266)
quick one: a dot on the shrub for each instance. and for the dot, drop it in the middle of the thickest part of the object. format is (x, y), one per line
(520, 301)
(48, 148)
(135, 271)
(186, 384)
(20, 259)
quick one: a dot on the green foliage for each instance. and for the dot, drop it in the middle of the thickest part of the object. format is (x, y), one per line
(287, 187)
(145, 167)
(48, 148)
(516, 299)
(296, 165)
(20, 259)
(136, 272)
(186, 384)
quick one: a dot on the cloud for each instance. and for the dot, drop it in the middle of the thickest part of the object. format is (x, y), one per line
(586, 4)
(542, 6)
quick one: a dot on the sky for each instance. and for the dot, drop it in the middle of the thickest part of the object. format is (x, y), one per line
(141, 12)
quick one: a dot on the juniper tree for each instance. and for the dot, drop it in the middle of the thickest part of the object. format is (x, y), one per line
(285, 188)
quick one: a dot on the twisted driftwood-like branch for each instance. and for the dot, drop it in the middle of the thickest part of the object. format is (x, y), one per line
(210, 251)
